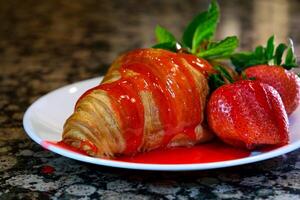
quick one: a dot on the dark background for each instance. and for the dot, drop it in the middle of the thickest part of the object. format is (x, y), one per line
(47, 44)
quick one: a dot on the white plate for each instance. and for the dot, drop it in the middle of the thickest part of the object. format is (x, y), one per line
(44, 119)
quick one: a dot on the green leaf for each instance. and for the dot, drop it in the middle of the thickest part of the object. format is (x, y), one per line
(258, 57)
(243, 60)
(206, 29)
(270, 48)
(255, 61)
(223, 72)
(239, 60)
(189, 32)
(259, 52)
(289, 56)
(278, 53)
(290, 60)
(171, 46)
(163, 35)
(265, 55)
(215, 81)
(218, 79)
(221, 49)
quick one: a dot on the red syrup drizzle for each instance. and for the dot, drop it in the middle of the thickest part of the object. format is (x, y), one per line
(198, 63)
(128, 104)
(172, 87)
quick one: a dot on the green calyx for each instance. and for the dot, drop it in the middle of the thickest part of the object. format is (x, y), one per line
(268, 55)
(198, 36)
(220, 78)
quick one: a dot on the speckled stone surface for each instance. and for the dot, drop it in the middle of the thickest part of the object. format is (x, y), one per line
(45, 45)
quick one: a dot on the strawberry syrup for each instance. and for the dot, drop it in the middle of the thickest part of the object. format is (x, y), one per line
(204, 153)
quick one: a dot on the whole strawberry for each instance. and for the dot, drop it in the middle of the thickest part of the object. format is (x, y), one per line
(248, 114)
(266, 64)
(287, 83)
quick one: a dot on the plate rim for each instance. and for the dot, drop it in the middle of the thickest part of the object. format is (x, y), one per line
(143, 166)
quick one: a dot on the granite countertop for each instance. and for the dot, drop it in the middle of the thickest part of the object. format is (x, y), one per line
(46, 45)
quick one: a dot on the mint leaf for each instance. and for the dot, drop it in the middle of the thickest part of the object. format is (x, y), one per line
(188, 34)
(171, 46)
(270, 48)
(206, 29)
(211, 15)
(197, 37)
(278, 53)
(163, 35)
(221, 49)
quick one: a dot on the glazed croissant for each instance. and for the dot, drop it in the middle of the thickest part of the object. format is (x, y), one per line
(150, 98)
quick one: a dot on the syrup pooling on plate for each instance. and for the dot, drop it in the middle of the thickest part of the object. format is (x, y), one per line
(217, 152)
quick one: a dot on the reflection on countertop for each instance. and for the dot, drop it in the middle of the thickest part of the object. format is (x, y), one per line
(45, 45)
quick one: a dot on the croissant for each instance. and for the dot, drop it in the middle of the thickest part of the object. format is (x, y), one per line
(149, 99)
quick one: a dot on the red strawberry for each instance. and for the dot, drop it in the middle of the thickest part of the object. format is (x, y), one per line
(287, 83)
(248, 114)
